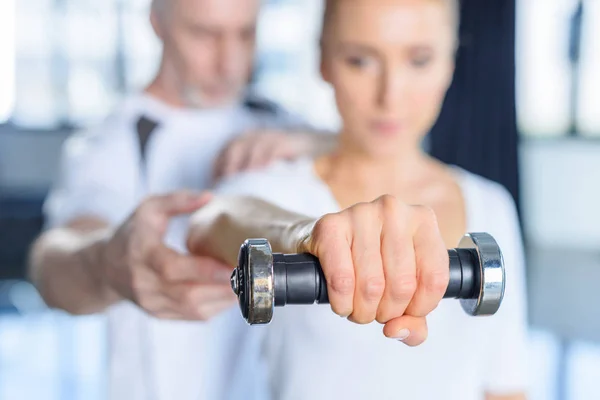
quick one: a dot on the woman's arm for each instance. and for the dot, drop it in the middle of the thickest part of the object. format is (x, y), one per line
(383, 260)
(520, 396)
(219, 229)
(506, 363)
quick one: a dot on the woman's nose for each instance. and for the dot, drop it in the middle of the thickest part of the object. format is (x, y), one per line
(392, 87)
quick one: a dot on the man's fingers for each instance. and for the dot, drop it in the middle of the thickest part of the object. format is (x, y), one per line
(155, 304)
(218, 168)
(255, 149)
(212, 309)
(194, 294)
(432, 264)
(234, 158)
(174, 311)
(176, 203)
(407, 329)
(175, 267)
(259, 155)
(198, 301)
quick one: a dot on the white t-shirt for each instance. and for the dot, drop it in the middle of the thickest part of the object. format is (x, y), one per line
(103, 174)
(312, 353)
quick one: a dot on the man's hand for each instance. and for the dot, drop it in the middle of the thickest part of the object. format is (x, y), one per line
(383, 261)
(166, 284)
(257, 149)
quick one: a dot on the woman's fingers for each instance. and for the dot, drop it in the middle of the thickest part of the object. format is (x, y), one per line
(398, 259)
(331, 244)
(407, 329)
(368, 268)
(431, 257)
(383, 260)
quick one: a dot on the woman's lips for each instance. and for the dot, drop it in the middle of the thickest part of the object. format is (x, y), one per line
(386, 127)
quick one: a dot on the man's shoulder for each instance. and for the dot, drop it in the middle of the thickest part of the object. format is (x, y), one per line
(271, 114)
(117, 121)
(116, 126)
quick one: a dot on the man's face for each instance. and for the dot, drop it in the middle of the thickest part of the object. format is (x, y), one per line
(208, 48)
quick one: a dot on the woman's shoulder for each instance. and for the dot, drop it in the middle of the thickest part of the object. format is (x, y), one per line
(487, 202)
(482, 189)
(280, 176)
(287, 184)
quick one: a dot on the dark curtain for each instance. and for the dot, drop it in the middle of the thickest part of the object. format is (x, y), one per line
(477, 126)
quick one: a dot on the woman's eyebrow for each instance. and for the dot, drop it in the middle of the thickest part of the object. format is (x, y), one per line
(350, 46)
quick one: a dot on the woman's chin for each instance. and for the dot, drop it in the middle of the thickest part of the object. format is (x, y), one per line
(382, 151)
(388, 145)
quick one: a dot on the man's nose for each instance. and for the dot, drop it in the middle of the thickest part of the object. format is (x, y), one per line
(232, 58)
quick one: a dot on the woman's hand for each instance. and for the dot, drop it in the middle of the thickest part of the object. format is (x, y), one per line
(385, 261)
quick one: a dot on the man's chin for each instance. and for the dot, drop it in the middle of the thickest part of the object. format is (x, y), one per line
(195, 99)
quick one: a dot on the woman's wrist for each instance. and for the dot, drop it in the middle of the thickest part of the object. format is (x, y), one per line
(219, 228)
(296, 237)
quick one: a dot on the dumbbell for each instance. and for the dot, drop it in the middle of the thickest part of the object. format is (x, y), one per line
(264, 280)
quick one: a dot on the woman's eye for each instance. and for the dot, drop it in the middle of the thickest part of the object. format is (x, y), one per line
(421, 62)
(358, 62)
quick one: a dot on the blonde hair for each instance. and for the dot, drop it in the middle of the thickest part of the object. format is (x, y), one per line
(330, 6)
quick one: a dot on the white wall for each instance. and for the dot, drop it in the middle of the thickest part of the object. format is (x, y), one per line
(561, 207)
(561, 193)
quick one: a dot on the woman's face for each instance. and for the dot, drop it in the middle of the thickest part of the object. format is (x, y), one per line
(390, 63)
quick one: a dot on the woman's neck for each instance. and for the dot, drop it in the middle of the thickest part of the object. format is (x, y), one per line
(376, 173)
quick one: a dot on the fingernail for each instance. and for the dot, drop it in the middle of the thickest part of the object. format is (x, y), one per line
(402, 334)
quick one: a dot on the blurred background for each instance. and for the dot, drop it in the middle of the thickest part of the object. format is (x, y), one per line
(533, 65)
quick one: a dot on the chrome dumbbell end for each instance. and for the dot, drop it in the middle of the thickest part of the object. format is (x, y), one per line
(252, 281)
(490, 277)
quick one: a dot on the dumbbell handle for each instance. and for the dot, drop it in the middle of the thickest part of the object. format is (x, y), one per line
(299, 279)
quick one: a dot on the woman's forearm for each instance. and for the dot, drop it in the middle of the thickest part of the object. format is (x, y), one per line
(219, 228)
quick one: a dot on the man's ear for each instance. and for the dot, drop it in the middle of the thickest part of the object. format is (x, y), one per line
(324, 67)
(157, 23)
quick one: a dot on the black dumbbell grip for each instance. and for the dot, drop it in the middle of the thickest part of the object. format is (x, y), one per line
(299, 279)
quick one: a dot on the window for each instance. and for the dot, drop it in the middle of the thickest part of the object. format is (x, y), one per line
(7, 58)
(75, 59)
(558, 59)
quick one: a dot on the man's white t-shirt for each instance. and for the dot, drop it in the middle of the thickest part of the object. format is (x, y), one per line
(311, 353)
(105, 173)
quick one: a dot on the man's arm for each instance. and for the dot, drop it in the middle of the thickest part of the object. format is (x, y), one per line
(85, 267)
(66, 267)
